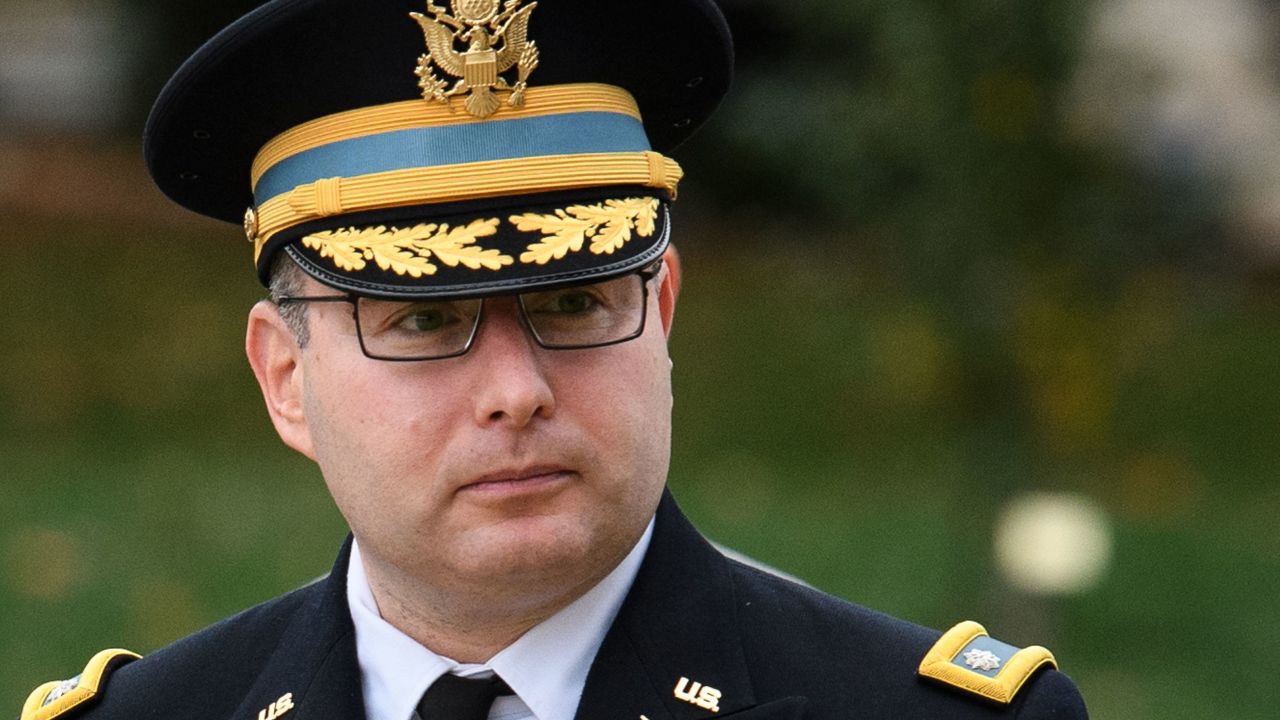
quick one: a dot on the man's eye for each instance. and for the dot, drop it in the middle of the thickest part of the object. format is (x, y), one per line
(572, 303)
(422, 320)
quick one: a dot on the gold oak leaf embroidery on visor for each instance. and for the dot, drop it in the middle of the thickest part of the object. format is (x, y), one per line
(407, 251)
(609, 226)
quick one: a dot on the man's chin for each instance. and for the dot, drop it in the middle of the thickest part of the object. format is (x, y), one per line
(539, 548)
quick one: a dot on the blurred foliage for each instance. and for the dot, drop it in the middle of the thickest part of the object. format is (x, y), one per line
(911, 293)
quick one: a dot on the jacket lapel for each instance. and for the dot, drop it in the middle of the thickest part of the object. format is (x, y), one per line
(791, 708)
(313, 673)
(673, 652)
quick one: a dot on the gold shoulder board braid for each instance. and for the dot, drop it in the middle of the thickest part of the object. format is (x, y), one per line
(60, 698)
(965, 657)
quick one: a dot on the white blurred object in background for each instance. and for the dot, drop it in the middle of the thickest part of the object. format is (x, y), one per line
(1053, 543)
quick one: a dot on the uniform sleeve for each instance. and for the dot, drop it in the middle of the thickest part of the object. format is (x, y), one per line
(1053, 696)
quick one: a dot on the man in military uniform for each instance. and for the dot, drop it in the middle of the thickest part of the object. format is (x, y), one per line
(463, 216)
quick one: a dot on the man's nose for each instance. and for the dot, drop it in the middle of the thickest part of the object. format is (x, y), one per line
(510, 380)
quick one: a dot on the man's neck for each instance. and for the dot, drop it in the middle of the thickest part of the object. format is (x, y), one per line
(471, 626)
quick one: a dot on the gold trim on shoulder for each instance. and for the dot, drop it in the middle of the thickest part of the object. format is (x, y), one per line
(496, 41)
(406, 251)
(939, 665)
(54, 699)
(608, 225)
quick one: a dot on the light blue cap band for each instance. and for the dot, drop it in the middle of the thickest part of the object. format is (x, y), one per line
(561, 134)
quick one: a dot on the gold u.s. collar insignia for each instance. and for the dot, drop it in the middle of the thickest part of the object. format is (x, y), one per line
(277, 708)
(495, 42)
(695, 693)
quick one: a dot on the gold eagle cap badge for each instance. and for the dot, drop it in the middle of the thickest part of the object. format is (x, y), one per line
(496, 39)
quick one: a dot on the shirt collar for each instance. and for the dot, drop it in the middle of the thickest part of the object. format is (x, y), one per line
(395, 670)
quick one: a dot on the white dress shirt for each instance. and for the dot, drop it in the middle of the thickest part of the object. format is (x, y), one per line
(546, 667)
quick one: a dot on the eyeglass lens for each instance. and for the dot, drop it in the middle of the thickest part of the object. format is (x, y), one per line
(573, 317)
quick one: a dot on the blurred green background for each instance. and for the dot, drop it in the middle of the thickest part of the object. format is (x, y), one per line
(941, 259)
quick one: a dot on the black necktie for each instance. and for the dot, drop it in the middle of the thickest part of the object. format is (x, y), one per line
(458, 698)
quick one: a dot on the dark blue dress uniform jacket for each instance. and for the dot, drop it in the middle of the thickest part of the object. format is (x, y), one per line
(774, 650)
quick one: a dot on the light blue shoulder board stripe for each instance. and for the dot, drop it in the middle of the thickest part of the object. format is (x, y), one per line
(965, 657)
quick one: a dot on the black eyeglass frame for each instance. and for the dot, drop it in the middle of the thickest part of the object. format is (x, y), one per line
(646, 274)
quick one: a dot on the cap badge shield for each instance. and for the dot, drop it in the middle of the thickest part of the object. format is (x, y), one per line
(495, 40)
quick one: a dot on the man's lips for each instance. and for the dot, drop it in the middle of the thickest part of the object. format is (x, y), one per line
(517, 479)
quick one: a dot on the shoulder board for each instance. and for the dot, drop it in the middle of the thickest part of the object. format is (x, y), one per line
(965, 657)
(60, 699)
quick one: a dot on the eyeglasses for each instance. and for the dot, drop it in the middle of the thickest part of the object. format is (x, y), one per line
(568, 318)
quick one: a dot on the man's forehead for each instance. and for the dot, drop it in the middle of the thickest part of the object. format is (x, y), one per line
(482, 149)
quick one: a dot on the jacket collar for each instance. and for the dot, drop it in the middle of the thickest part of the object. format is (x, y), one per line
(674, 651)
(314, 662)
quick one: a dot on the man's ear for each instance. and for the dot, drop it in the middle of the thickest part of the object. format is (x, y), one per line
(669, 290)
(274, 356)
